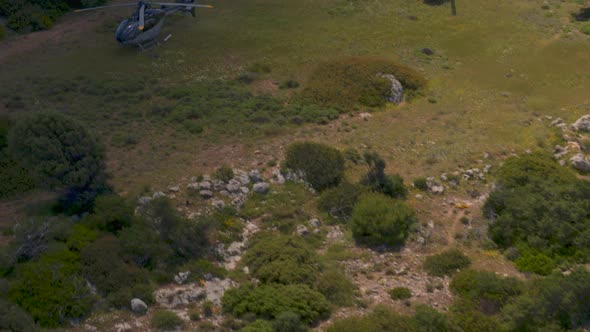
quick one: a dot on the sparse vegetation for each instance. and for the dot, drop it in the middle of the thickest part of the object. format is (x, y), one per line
(165, 320)
(400, 293)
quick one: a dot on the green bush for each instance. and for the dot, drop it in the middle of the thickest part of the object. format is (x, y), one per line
(111, 214)
(380, 220)
(224, 173)
(282, 259)
(166, 320)
(540, 208)
(14, 177)
(122, 297)
(339, 201)
(13, 318)
(258, 326)
(322, 166)
(467, 317)
(489, 291)
(50, 289)
(64, 152)
(446, 263)
(288, 321)
(348, 82)
(336, 287)
(199, 268)
(555, 303)
(268, 301)
(376, 179)
(421, 184)
(400, 293)
(142, 245)
(32, 14)
(585, 29)
(81, 237)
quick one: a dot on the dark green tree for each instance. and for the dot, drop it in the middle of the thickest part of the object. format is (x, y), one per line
(322, 166)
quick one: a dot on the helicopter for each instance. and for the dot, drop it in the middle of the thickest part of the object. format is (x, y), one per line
(143, 27)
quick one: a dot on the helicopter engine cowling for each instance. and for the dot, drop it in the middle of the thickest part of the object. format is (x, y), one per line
(127, 31)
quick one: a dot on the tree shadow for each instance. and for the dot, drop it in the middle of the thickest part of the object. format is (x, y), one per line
(583, 15)
(435, 2)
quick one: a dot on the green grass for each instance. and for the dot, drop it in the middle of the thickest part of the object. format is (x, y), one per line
(117, 91)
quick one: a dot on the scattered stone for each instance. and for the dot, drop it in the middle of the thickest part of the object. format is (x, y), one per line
(242, 178)
(194, 186)
(430, 224)
(182, 277)
(314, 222)
(158, 194)
(144, 200)
(420, 197)
(582, 124)
(239, 201)
(138, 306)
(255, 176)
(261, 188)
(437, 189)
(397, 90)
(218, 204)
(246, 270)
(278, 178)
(573, 147)
(421, 240)
(486, 168)
(233, 186)
(218, 185)
(174, 189)
(206, 194)
(205, 185)
(244, 190)
(301, 230)
(224, 193)
(580, 163)
(365, 116)
(505, 94)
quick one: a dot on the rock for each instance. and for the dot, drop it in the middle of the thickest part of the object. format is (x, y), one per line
(261, 188)
(206, 194)
(205, 185)
(207, 178)
(428, 51)
(486, 168)
(174, 189)
(580, 163)
(255, 176)
(582, 124)
(246, 270)
(420, 240)
(419, 197)
(244, 190)
(218, 185)
(158, 194)
(182, 277)
(123, 327)
(314, 222)
(224, 193)
(233, 186)
(557, 122)
(144, 200)
(437, 189)
(194, 186)
(365, 116)
(301, 230)
(243, 179)
(573, 147)
(505, 94)
(218, 204)
(171, 297)
(215, 288)
(397, 90)
(430, 224)
(138, 306)
(238, 201)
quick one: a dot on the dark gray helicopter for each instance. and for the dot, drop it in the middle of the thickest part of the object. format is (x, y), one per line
(143, 27)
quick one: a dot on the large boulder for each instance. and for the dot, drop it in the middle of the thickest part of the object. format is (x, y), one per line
(397, 90)
(582, 124)
(138, 306)
(580, 163)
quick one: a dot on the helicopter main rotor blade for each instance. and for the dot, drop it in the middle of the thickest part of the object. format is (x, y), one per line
(141, 17)
(180, 4)
(109, 6)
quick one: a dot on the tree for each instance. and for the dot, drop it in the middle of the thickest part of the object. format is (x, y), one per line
(376, 179)
(322, 166)
(63, 152)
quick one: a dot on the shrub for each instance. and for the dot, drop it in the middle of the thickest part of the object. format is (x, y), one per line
(201, 267)
(81, 237)
(446, 263)
(224, 173)
(122, 297)
(64, 152)
(539, 205)
(347, 82)
(289, 84)
(489, 291)
(207, 308)
(376, 179)
(380, 220)
(282, 259)
(339, 201)
(258, 326)
(464, 315)
(269, 301)
(111, 213)
(322, 166)
(50, 290)
(336, 287)
(400, 293)
(13, 318)
(14, 177)
(421, 184)
(141, 245)
(288, 321)
(585, 29)
(166, 320)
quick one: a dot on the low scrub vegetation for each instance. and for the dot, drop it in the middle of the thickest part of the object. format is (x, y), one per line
(541, 209)
(322, 166)
(446, 263)
(348, 82)
(380, 220)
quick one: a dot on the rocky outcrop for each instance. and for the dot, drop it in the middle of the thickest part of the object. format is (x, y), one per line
(582, 124)
(396, 94)
(580, 163)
